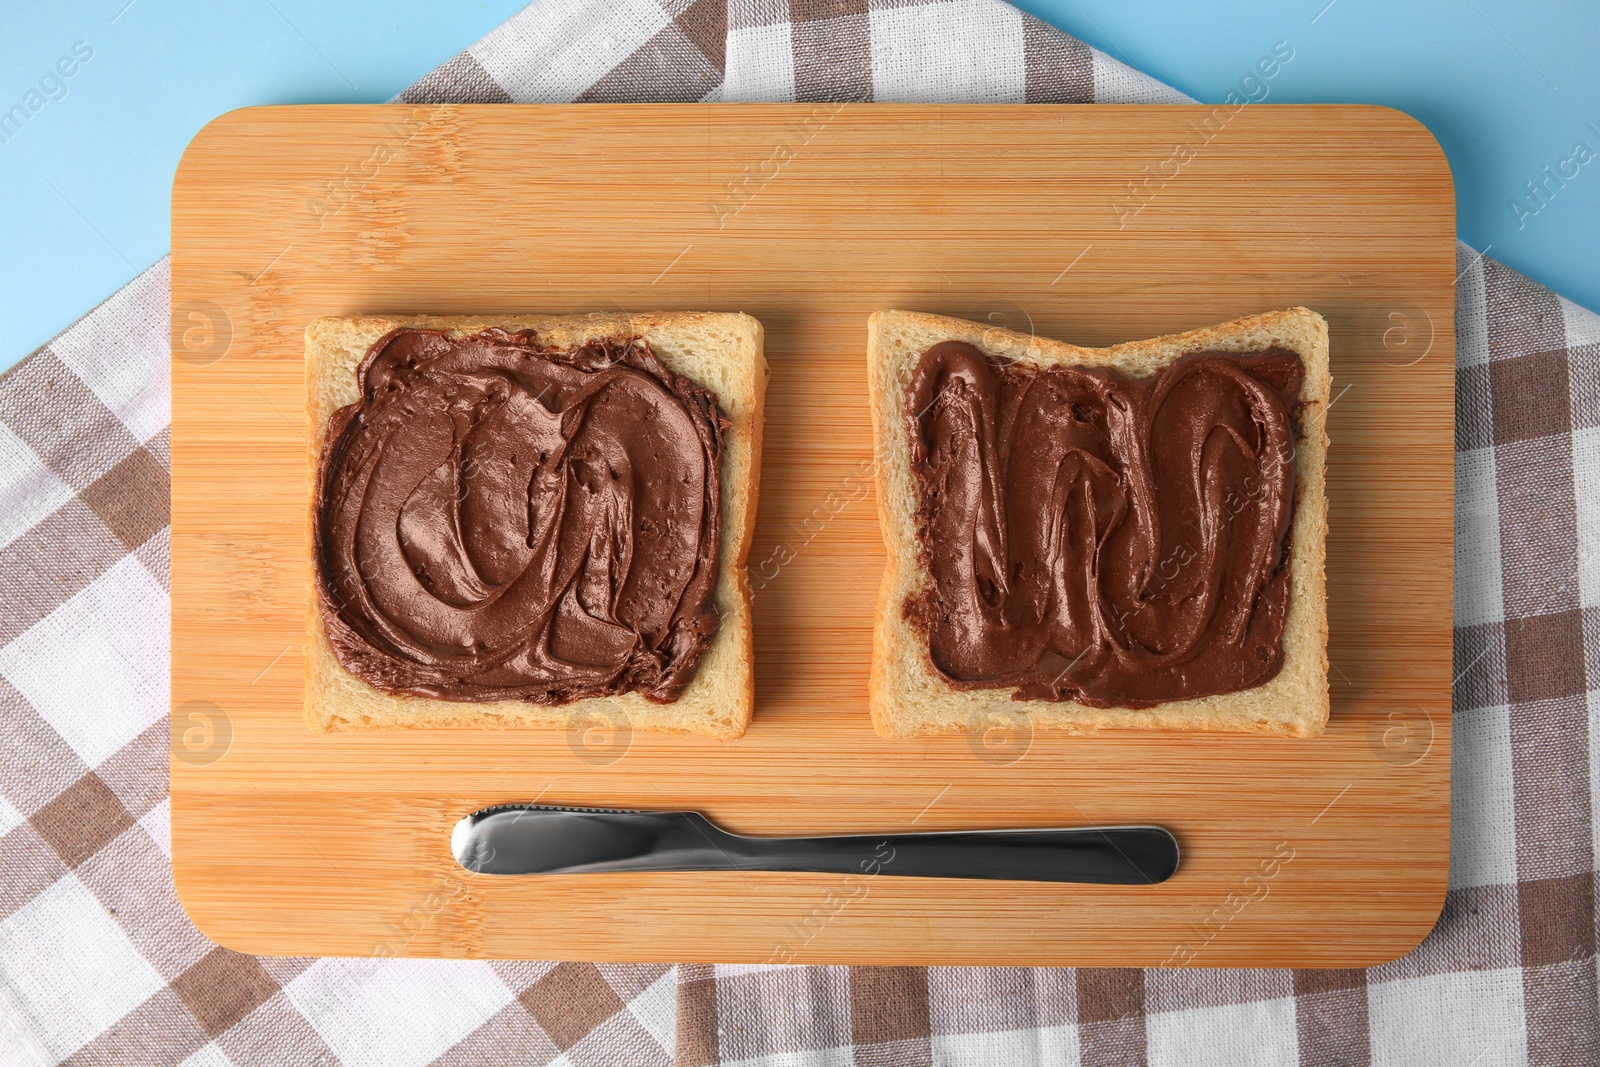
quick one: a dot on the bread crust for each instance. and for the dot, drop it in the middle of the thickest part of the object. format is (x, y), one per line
(909, 698)
(719, 351)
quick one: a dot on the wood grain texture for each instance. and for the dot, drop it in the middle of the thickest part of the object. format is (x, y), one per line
(1325, 852)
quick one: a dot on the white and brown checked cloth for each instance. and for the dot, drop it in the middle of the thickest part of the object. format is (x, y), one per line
(98, 963)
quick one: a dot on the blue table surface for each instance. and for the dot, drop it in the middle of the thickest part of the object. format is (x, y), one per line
(85, 181)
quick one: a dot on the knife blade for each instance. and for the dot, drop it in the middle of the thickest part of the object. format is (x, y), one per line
(515, 839)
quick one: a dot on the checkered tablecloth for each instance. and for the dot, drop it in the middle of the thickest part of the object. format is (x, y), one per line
(98, 963)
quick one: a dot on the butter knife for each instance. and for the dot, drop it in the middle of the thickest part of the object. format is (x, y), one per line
(542, 839)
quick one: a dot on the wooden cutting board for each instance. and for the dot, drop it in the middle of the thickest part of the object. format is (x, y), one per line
(1090, 224)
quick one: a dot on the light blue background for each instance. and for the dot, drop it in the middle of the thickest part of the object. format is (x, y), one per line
(84, 185)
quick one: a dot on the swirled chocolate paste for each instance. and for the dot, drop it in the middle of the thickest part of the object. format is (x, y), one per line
(1115, 541)
(499, 520)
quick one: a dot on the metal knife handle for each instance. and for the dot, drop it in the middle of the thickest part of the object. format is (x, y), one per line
(541, 840)
(1123, 855)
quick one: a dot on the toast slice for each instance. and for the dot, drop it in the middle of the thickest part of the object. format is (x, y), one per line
(909, 697)
(720, 352)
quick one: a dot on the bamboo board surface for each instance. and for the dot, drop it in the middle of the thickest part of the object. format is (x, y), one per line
(1325, 852)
